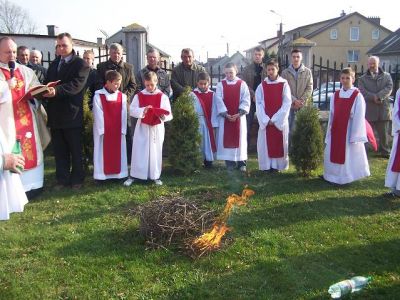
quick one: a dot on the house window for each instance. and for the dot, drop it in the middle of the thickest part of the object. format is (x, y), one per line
(352, 56)
(375, 34)
(333, 34)
(354, 33)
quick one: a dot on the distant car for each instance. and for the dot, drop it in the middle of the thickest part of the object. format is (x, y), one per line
(321, 98)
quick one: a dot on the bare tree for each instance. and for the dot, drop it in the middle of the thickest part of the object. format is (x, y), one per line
(15, 19)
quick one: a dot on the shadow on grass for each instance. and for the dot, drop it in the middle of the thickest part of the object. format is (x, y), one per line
(295, 212)
(105, 243)
(303, 277)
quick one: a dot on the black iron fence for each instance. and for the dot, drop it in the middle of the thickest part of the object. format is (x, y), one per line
(327, 79)
(102, 55)
(326, 75)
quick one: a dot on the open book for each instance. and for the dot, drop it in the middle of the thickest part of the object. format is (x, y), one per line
(38, 91)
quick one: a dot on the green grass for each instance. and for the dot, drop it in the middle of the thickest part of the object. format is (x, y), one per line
(295, 238)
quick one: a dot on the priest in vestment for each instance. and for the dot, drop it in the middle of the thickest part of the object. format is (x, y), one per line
(18, 118)
(345, 157)
(232, 99)
(273, 102)
(109, 130)
(152, 108)
(392, 179)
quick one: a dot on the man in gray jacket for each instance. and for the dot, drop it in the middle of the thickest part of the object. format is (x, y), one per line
(300, 81)
(376, 87)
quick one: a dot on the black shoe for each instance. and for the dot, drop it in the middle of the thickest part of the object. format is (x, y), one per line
(208, 164)
(391, 195)
(385, 155)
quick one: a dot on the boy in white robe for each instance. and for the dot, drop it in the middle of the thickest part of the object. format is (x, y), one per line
(152, 108)
(232, 99)
(109, 130)
(204, 105)
(12, 195)
(345, 157)
(392, 179)
(273, 101)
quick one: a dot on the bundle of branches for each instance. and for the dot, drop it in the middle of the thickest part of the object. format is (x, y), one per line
(172, 220)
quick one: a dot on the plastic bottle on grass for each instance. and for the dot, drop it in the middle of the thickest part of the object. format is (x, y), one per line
(348, 286)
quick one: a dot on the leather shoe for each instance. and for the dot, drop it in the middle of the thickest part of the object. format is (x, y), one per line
(77, 186)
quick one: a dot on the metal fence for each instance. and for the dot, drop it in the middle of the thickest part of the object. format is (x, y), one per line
(327, 79)
(102, 55)
(326, 75)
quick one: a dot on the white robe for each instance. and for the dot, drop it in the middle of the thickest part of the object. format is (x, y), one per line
(12, 195)
(205, 146)
(98, 136)
(280, 119)
(146, 161)
(232, 154)
(33, 178)
(356, 162)
(392, 179)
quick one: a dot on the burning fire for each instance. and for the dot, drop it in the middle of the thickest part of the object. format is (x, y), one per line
(210, 241)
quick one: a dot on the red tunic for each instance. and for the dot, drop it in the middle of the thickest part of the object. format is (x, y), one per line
(340, 123)
(273, 94)
(231, 100)
(206, 100)
(112, 111)
(151, 118)
(23, 120)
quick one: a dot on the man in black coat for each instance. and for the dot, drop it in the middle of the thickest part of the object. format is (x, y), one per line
(65, 112)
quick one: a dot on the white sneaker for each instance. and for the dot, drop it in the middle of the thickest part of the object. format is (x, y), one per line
(129, 181)
(158, 182)
(243, 169)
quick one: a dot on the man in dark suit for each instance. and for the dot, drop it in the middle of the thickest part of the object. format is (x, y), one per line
(128, 84)
(65, 112)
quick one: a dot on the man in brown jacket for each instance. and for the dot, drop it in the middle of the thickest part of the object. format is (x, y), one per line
(376, 87)
(253, 75)
(300, 82)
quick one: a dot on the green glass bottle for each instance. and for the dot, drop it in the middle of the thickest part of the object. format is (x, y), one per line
(17, 149)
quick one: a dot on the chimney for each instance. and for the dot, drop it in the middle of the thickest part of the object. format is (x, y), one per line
(376, 20)
(99, 41)
(342, 14)
(52, 30)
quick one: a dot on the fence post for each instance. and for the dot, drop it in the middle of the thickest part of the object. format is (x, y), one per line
(319, 80)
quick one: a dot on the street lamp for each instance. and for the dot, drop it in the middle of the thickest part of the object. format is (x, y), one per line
(227, 45)
(280, 36)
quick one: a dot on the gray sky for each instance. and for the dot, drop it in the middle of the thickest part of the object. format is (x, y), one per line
(206, 25)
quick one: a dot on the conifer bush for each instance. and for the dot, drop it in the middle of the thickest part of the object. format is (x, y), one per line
(87, 132)
(184, 138)
(306, 151)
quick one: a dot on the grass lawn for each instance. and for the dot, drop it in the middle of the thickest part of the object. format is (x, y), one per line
(295, 238)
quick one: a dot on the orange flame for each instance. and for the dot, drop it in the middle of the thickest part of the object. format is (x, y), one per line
(210, 241)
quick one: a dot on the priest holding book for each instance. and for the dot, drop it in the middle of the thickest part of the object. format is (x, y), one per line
(18, 118)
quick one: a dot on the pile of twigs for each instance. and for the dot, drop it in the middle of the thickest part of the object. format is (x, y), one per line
(173, 220)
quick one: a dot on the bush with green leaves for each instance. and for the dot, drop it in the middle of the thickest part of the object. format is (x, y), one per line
(306, 150)
(87, 132)
(184, 138)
